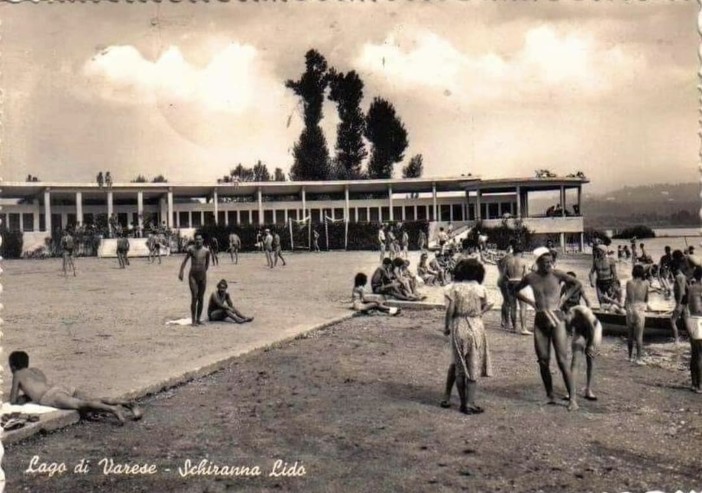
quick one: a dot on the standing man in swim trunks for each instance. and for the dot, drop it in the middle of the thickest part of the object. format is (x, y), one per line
(234, 246)
(277, 249)
(603, 274)
(636, 305)
(268, 247)
(664, 271)
(549, 321)
(381, 242)
(151, 245)
(404, 243)
(197, 277)
(514, 269)
(680, 262)
(693, 324)
(422, 241)
(67, 245)
(122, 249)
(315, 240)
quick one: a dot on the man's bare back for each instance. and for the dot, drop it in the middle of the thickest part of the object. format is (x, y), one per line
(30, 381)
(514, 267)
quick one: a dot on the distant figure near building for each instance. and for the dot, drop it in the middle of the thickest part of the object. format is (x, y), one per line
(268, 247)
(422, 240)
(100, 179)
(197, 277)
(67, 246)
(315, 241)
(381, 242)
(234, 247)
(277, 249)
(108, 180)
(122, 251)
(214, 250)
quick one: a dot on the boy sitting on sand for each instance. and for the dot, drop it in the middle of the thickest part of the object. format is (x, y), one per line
(33, 384)
(221, 307)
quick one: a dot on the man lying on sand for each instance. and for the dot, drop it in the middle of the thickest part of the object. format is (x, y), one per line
(32, 383)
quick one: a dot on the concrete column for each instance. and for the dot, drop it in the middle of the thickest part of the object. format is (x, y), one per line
(433, 197)
(347, 213)
(451, 212)
(79, 207)
(238, 216)
(215, 200)
(169, 220)
(580, 191)
(519, 201)
(250, 216)
(47, 210)
(274, 216)
(110, 210)
(285, 215)
(260, 206)
(226, 218)
(404, 215)
(35, 221)
(21, 218)
(392, 215)
(582, 242)
(478, 214)
(415, 212)
(304, 203)
(140, 209)
(190, 219)
(563, 242)
(563, 200)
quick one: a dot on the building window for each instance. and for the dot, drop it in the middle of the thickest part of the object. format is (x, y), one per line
(222, 217)
(421, 212)
(14, 222)
(88, 218)
(72, 222)
(471, 212)
(338, 213)
(42, 222)
(384, 214)
(28, 221)
(254, 217)
(209, 217)
(445, 212)
(409, 213)
(457, 212)
(56, 221)
(183, 219)
(397, 213)
(362, 215)
(268, 217)
(374, 215)
(493, 211)
(196, 219)
(232, 217)
(244, 215)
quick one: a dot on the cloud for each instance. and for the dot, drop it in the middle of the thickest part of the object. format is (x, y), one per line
(234, 81)
(549, 64)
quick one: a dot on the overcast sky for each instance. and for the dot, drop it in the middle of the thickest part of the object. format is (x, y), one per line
(496, 89)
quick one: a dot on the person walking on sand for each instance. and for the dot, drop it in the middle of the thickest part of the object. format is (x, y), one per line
(31, 383)
(277, 249)
(197, 277)
(234, 247)
(67, 245)
(122, 251)
(214, 250)
(463, 323)
(422, 240)
(268, 247)
(549, 320)
(636, 305)
(221, 307)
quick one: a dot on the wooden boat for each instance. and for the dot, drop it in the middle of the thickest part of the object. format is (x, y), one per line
(614, 324)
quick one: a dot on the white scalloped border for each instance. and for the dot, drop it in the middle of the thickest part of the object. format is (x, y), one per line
(2, 372)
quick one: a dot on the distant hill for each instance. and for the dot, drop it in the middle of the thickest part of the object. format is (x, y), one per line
(659, 205)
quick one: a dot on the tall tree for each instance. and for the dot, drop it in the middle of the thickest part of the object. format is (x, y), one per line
(260, 172)
(278, 175)
(241, 173)
(388, 138)
(346, 90)
(140, 179)
(414, 168)
(310, 152)
(159, 179)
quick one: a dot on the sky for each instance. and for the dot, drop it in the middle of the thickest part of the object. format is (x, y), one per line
(496, 89)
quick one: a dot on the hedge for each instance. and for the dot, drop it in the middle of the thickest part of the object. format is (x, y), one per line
(12, 242)
(501, 235)
(361, 236)
(639, 231)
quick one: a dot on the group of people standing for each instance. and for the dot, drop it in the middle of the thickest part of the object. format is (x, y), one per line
(104, 180)
(394, 242)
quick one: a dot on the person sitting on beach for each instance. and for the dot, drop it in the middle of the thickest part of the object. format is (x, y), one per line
(221, 307)
(436, 269)
(411, 279)
(424, 272)
(549, 320)
(514, 268)
(603, 274)
(586, 332)
(361, 304)
(383, 282)
(399, 274)
(611, 300)
(693, 324)
(234, 246)
(30, 384)
(645, 258)
(636, 305)
(466, 303)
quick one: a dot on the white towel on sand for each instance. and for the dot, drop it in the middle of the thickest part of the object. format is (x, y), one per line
(29, 408)
(180, 321)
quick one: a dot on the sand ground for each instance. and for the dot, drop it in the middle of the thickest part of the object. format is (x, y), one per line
(356, 406)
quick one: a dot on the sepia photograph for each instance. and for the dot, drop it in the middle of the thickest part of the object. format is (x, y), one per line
(444, 246)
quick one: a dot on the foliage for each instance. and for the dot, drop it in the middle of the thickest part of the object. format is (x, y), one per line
(388, 137)
(310, 152)
(414, 168)
(591, 234)
(12, 242)
(159, 179)
(640, 231)
(346, 90)
(140, 179)
(509, 229)
(278, 175)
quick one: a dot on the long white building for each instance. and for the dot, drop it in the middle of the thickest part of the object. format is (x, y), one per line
(41, 207)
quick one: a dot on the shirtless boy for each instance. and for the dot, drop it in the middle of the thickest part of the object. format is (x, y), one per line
(197, 277)
(33, 384)
(277, 249)
(151, 245)
(234, 246)
(221, 307)
(268, 247)
(214, 250)
(549, 321)
(636, 305)
(603, 274)
(514, 268)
